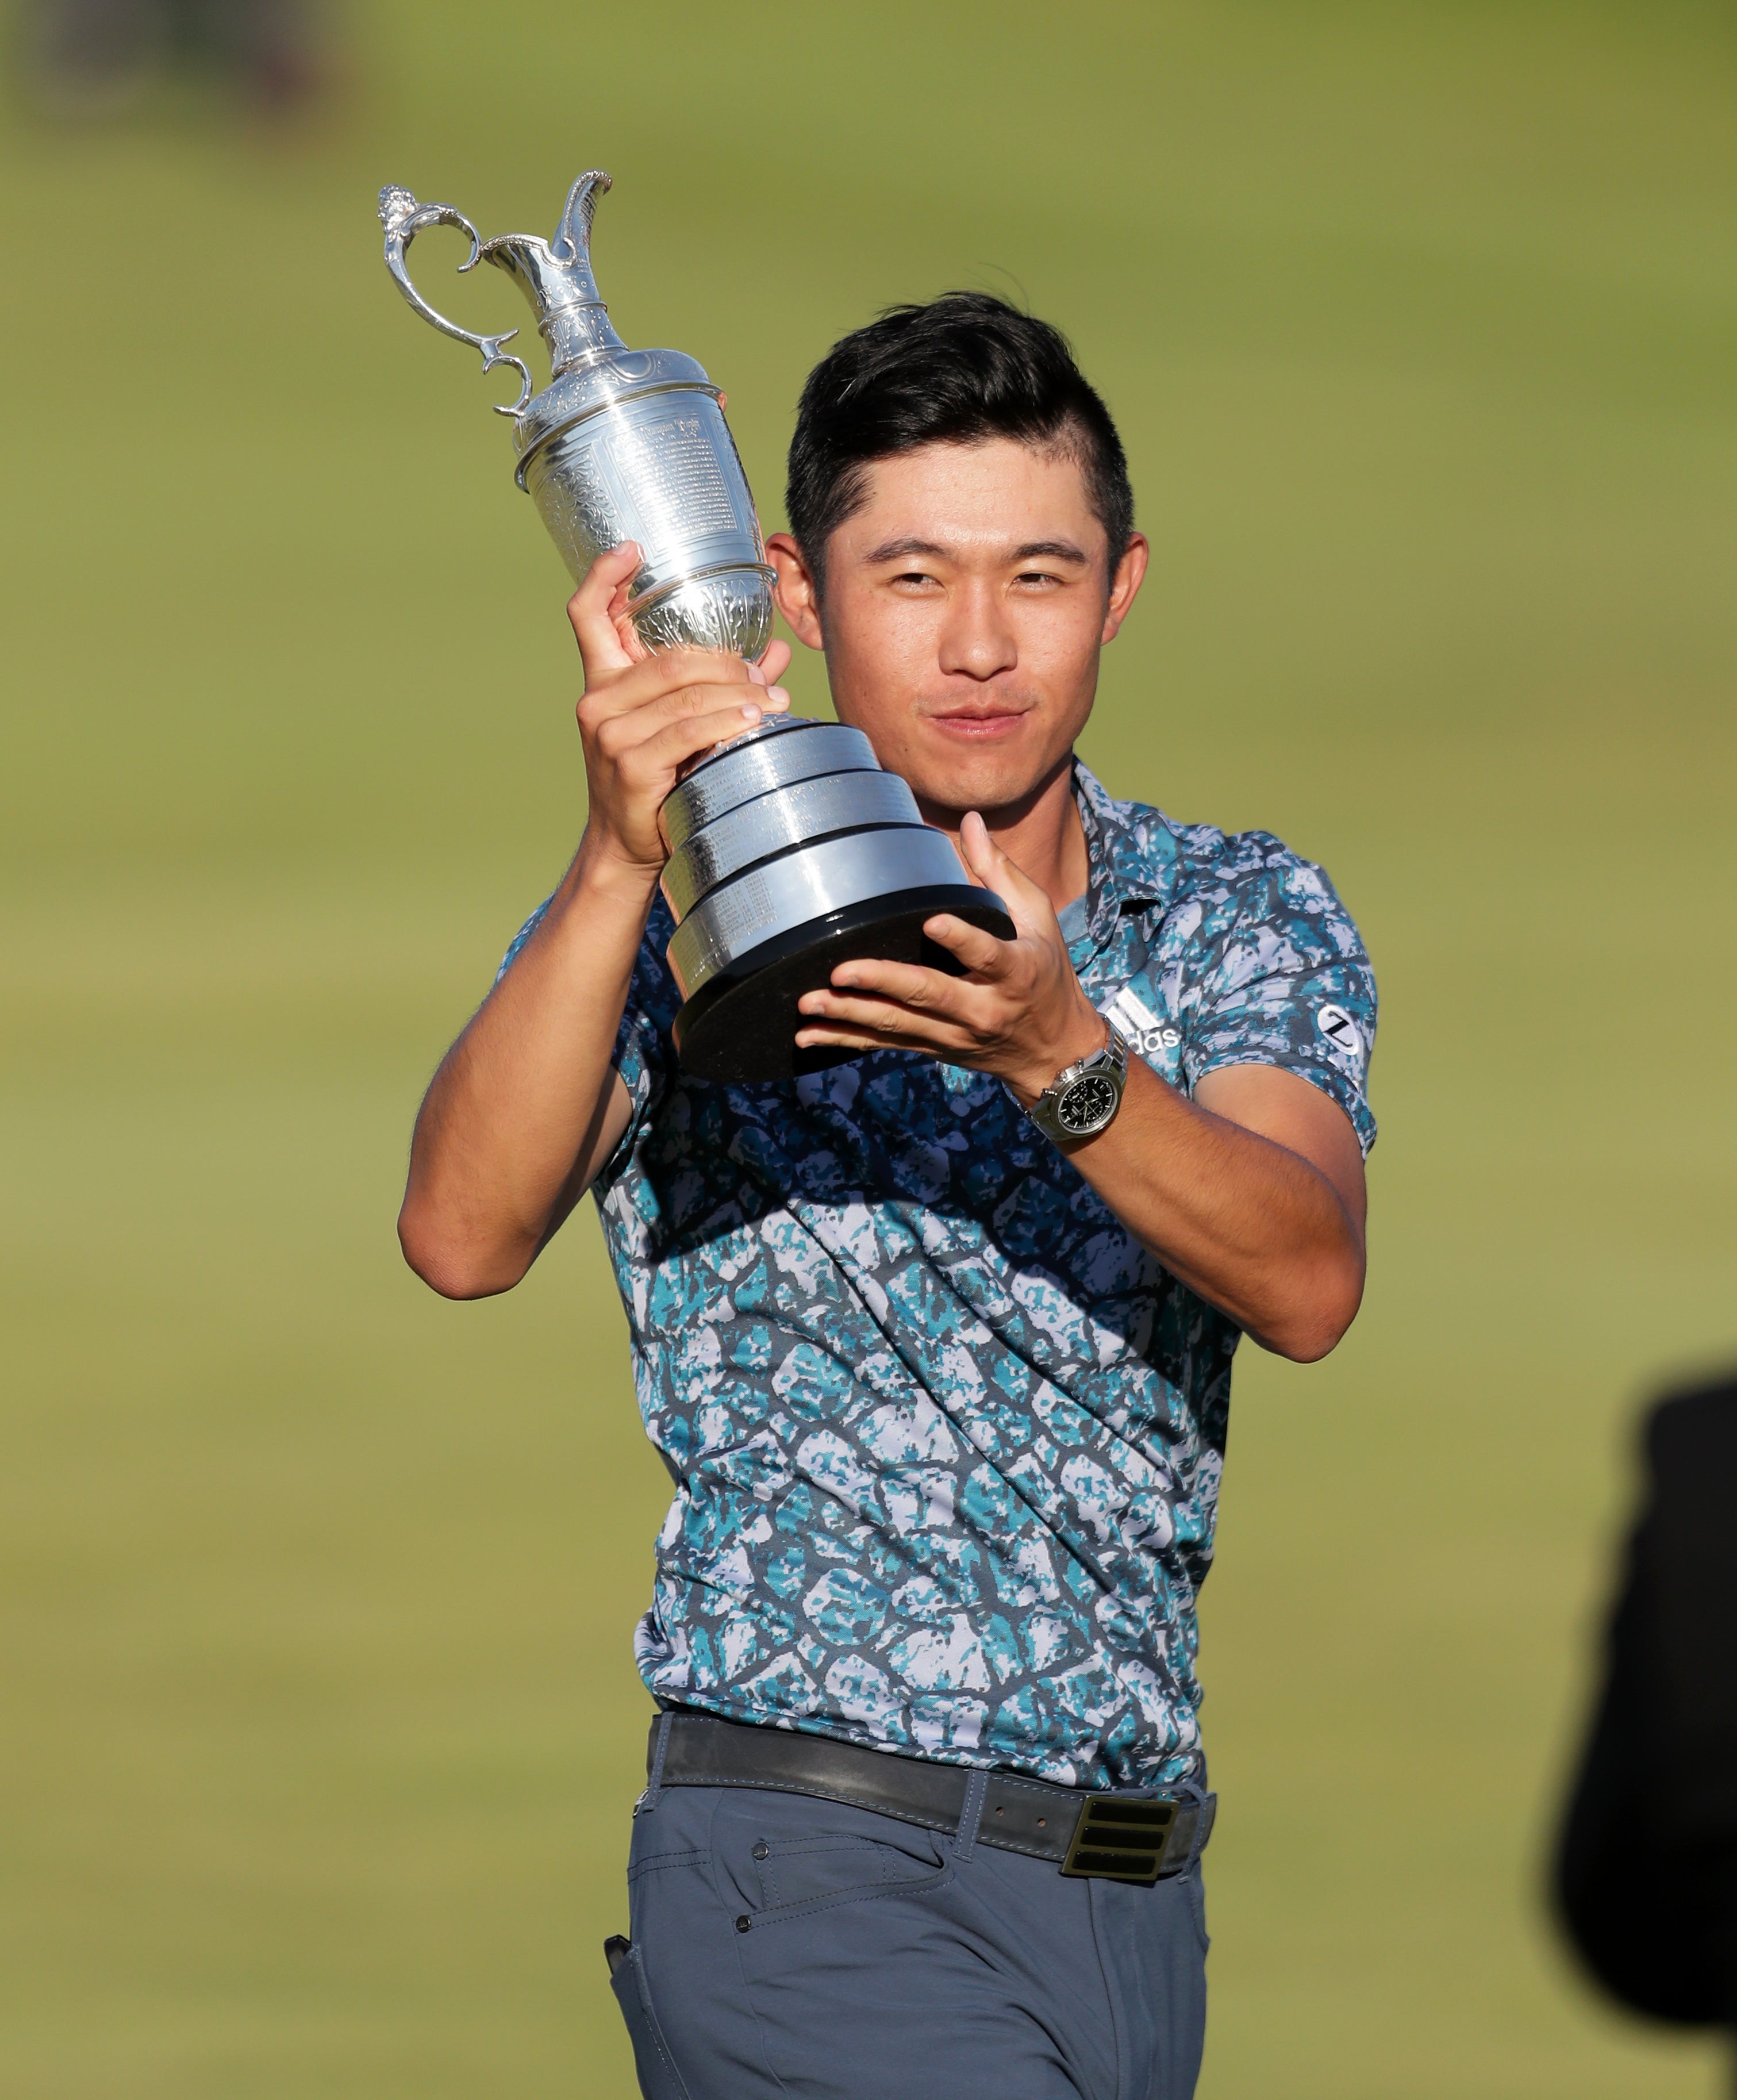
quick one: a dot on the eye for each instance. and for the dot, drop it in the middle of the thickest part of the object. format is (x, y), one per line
(1036, 578)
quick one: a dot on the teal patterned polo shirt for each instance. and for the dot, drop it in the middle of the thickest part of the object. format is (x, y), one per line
(946, 1439)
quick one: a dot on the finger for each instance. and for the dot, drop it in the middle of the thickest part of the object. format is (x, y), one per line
(1028, 906)
(953, 1044)
(621, 618)
(773, 663)
(591, 610)
(649, 731)
(955, 1016)
(706, 699)
(820, 1039)
(981, 952)
(909, 983)
(667, 676)
(895, 1028)
(667, 750)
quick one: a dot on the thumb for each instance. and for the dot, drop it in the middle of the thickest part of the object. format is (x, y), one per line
(773, 662)
(600, 644)
(1032, 912)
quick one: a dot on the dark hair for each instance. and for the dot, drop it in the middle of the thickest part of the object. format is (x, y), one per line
(966, 366)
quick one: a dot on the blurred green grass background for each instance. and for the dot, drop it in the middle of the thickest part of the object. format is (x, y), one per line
(321, 1727)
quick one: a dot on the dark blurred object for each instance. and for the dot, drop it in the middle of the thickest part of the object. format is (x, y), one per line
(86, 57)
(1645, 1878)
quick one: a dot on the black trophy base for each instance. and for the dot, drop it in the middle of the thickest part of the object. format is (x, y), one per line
(741, 1025)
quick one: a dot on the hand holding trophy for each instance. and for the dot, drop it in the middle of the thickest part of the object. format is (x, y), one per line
(791, 850)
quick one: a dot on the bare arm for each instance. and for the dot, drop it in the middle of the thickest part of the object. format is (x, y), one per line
(1252, 1193)
(527, 1105)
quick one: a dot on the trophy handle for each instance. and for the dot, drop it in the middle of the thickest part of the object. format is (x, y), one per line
(403, 220)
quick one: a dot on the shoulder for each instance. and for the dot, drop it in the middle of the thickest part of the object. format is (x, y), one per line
(1209, 888)
(1242, 875)
(1243, 947)
(1238, 888)
(1211, 881)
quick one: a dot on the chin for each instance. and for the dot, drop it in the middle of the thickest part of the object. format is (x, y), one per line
(976, 780)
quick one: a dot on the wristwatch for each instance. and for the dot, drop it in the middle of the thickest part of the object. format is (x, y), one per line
(1082, 1099)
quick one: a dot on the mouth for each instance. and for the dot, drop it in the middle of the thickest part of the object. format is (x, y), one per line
(978, 725)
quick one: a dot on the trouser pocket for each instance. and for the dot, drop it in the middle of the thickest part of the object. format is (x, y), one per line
(1196, 1893)
(777, 1857)
(658, 2078)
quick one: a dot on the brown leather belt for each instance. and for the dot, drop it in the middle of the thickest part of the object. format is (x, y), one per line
(1142, 1837)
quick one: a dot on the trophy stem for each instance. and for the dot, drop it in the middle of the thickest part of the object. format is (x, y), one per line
(574, 333)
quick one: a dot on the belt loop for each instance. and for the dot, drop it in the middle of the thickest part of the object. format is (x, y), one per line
(648, 1800)
(1209, 1810)
(1203, 1807)
(970, 1814)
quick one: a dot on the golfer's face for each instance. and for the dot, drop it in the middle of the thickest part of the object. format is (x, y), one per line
(966, 603)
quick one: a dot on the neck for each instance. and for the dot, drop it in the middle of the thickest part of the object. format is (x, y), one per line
(1041, 833)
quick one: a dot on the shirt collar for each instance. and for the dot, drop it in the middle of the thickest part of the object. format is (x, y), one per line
(1132, 851)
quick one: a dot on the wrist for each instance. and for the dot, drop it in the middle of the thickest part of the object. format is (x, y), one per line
(1084, 1096)
(1080, 1032)
(604, 869)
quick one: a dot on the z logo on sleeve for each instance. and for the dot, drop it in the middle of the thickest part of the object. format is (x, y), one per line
(1340, 1030)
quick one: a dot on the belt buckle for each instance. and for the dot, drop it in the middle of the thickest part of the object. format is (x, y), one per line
(1120, 1839)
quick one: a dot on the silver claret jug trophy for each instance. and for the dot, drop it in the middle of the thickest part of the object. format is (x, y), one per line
(791, 850)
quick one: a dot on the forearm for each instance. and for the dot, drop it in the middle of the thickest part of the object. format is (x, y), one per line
(514, 1123)
(1253, 1227)
(527, 1107)
(1252, 1194)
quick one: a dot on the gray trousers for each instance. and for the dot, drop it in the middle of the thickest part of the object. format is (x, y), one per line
(787, 1948)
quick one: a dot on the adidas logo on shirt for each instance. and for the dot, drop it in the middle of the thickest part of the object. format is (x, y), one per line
(1140, 1024)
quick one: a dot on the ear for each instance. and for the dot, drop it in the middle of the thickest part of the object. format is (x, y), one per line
(1124, 585)
(797, 598)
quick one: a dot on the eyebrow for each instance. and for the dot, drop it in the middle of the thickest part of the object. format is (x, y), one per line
(1054, 550)
(890, 550)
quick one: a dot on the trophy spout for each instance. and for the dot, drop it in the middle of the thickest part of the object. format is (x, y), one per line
(556, 276)
(572, 240)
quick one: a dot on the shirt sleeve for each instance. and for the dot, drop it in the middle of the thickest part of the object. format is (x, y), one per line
(644, 1051)
(1285, 981)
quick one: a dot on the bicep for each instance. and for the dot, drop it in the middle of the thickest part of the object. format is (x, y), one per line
(1287, 1110)
(607, 1129)
(605, 1132)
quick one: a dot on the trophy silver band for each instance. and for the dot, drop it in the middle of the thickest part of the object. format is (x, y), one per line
(791, 850)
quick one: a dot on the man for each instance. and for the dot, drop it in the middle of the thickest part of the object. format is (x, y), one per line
(1645, 1878)
(943, 1396)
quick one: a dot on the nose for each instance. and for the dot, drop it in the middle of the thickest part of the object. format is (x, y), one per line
(977, 641)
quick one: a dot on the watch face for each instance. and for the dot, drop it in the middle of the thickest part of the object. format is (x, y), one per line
(1087, 1104)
